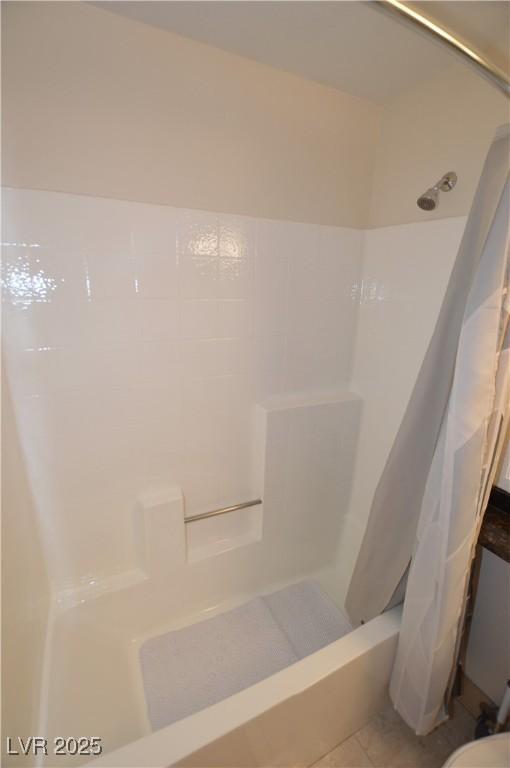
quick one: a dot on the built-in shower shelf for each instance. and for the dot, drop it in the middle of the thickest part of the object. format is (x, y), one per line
(302, 461)
(166, 538)
(211, 535)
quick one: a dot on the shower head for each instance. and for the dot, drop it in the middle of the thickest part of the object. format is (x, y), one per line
(429, 200)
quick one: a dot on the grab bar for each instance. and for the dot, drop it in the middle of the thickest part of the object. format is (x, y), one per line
(222, 511)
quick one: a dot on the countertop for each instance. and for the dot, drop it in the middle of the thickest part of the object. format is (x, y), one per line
(495, 530)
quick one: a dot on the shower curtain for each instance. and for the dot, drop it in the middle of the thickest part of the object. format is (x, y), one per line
(429, 503)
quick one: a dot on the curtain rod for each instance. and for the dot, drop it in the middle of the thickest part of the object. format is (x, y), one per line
(412, 18)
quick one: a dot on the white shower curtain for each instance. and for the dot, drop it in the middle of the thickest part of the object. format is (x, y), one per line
(431, 497)
(457, 491)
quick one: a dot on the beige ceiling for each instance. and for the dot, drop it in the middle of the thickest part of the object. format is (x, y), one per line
(485, 25)
(347, 45)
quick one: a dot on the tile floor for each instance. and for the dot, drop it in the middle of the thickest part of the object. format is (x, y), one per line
(387, 742)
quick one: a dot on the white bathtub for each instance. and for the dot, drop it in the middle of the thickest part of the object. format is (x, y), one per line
(93, 687)
(289, 719)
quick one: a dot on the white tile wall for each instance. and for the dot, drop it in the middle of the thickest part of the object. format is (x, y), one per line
(139, 338)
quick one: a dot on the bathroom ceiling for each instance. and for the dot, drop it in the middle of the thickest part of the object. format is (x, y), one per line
(347, 45)
(485, 24)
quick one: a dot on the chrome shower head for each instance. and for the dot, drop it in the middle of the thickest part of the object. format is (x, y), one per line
(429, 200)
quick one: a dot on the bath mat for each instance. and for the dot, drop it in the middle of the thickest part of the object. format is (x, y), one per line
(189, 669)
(307, 616)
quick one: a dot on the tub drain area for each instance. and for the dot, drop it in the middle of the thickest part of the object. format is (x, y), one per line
(189, 669)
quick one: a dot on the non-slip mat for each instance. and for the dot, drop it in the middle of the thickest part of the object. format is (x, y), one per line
(307, 616)
(189, 669)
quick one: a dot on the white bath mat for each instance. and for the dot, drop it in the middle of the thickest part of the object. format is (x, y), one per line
(189, 669)
(307, 616)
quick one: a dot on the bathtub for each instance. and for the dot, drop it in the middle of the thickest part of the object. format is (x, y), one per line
(289, 719)
(93, 687)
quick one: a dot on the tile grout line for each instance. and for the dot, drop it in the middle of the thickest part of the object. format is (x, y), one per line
(365, 753)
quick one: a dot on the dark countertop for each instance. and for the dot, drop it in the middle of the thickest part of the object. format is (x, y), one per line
(495, 530)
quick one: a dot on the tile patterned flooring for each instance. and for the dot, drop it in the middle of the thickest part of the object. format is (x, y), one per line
(387, 742)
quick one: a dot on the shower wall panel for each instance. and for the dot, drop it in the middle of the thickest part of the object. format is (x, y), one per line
(139, 339)
(405, 273)
(25, 592)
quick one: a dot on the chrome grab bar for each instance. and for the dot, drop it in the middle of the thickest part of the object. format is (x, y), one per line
(222, 511)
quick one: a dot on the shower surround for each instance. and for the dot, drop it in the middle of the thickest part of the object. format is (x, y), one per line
(166, 362)
(139, 339)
